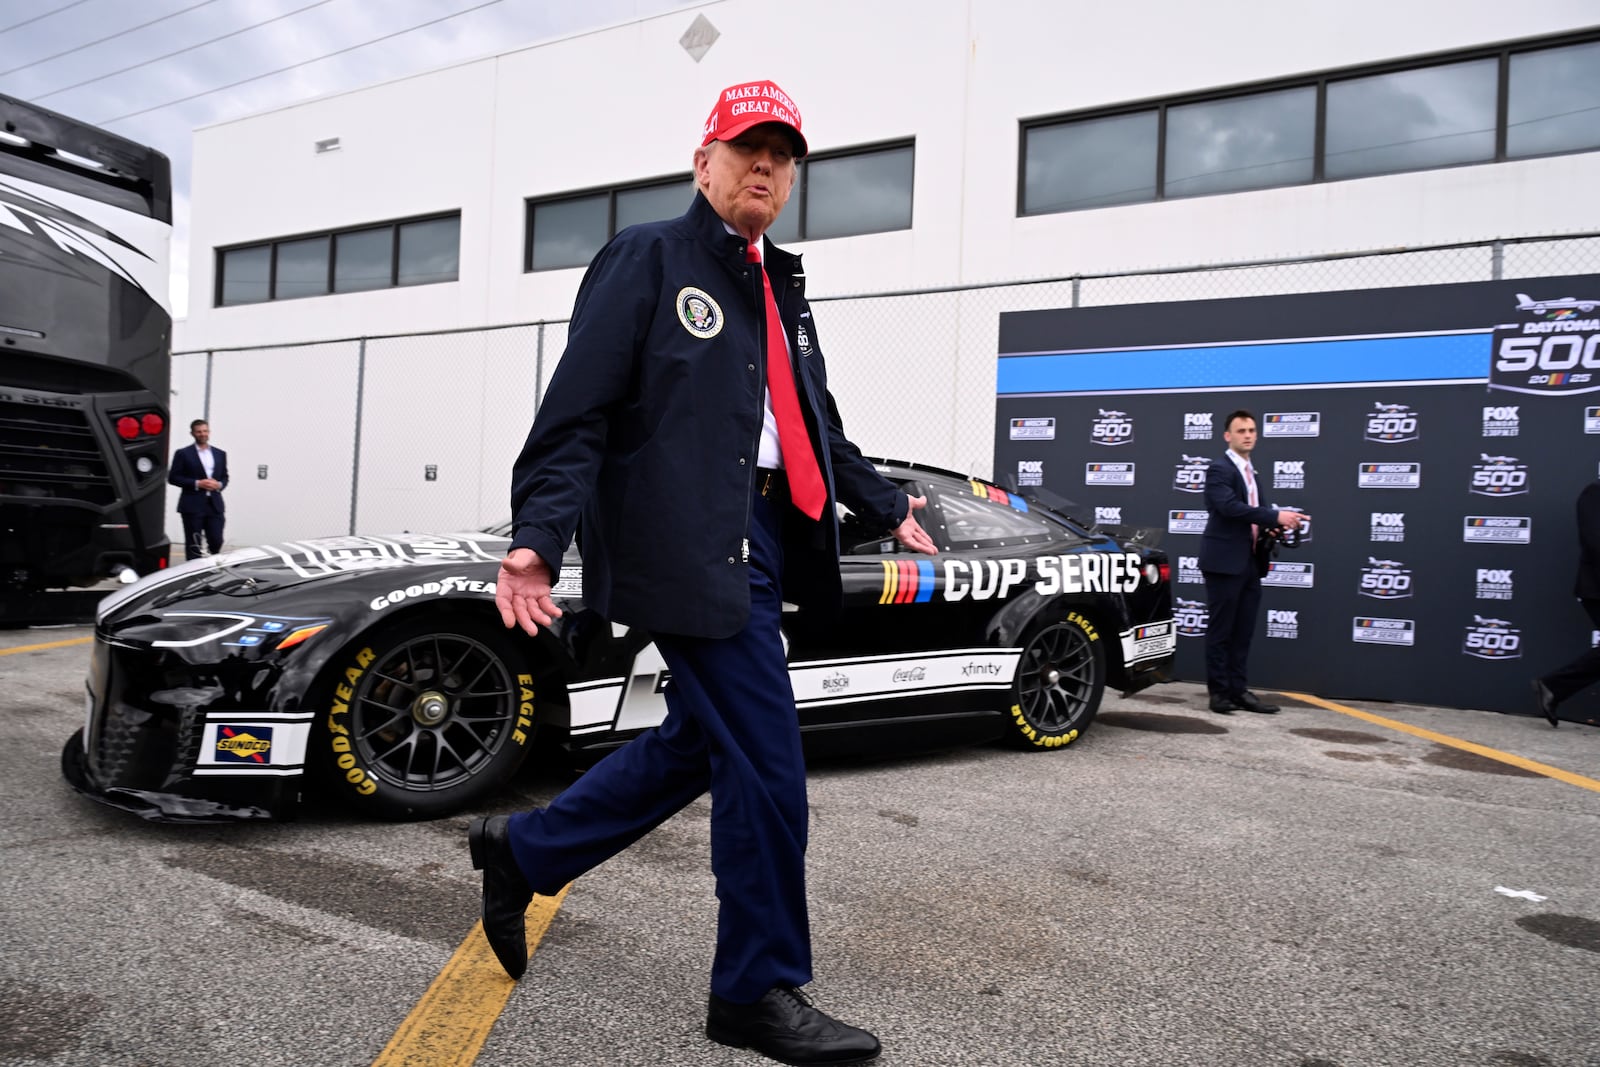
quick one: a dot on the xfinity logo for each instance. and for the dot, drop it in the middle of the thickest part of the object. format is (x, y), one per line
(1288, 474)
(980, 670)
(1108, 473)
(1111, 428)
(1385, 579)
(1191, 617)
(1107, 516)
(1492, 639)
(1501, 422)
(1388, 526)
(1498, 529)
(1190, 476)
(1197, 426)
(1391, 424)
(1499, 476)
(1292, 424)
(1030, 472)
(1284, 624)
(1189, 570)
(1494, 584)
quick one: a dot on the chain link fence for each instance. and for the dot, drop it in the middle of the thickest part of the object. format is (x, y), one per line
(417, 432)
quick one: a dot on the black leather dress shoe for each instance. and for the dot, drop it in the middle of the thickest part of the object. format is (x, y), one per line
(1547, 701)
(1251, 702)
(785, 1026)
(1223, 706)
(506, 894)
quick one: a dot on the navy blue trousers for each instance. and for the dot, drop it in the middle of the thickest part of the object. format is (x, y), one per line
(202, 534)
(1232, 601)
(731, 727)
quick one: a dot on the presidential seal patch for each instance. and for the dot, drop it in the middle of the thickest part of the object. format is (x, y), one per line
(699, 313)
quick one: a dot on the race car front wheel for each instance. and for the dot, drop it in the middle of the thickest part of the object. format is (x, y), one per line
(1060, 680)
(424, 719)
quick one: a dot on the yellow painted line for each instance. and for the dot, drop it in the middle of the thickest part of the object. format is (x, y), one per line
(451, 1022)
(48, 644)
(1454, 742)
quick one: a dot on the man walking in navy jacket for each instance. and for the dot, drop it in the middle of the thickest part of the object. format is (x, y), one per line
(201, 473)
(1229, 563)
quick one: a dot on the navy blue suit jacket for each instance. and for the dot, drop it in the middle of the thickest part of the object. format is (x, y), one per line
(187, 470)
(1226, 547)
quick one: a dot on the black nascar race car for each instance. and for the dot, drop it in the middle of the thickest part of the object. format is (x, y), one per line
(378, 666)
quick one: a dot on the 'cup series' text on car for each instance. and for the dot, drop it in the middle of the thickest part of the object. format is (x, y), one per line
(378, 668)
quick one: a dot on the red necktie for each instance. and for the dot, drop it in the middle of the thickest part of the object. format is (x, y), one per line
(805, 479)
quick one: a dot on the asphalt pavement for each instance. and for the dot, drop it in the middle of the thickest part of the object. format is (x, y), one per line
(1310, 889)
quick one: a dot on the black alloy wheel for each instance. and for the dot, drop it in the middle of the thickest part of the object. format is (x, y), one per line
(1060, 680)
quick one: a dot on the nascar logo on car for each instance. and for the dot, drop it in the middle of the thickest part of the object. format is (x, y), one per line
(1499, 476)
(1492, 639)
(1392, 424)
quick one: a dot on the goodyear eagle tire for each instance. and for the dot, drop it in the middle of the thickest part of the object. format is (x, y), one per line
(425, 718)
(1060, 680)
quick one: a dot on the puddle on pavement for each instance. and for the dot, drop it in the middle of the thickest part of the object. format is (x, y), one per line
(1161, 724)
(1340, 737)
(40, 1023)
(1391, 758)
(1458, 760)
(1157, 698)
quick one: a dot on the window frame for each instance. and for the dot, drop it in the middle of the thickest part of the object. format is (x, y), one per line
(271, 244)
(1319, 80)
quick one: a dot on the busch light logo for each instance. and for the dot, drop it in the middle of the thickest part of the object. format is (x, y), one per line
(1285, 575)
(1591, 420)
(1388, 526)
(1187, 522)
(1494, 584)
(1497, 529)
(1189, 571)
(1499, 476)
(1288, 474)
(1292, 424)
(1494, 639)
(1197, 426)
(837, 682)
(1190, 476)
(1501, 422)
(1555, 354)
(1191, 617)
(1385, 579)
(1389, 476)
(1033, 429)
(1111, 428)
(1284, 624)
(1366, 630)
(1108, 516)
(1030, 472)
(1108, 473)
(1391, 424)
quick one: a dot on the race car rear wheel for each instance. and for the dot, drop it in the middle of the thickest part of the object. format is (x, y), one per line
(1060, 680)
(425, 718)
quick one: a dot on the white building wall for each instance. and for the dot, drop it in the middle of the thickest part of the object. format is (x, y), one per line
(626, 104)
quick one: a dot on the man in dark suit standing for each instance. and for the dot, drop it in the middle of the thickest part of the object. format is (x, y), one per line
(201, 473)
(1561, 683)
(1232, 567)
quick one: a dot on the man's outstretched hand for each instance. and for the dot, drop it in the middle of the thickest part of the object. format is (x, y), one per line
(522, 591)
(911, 534)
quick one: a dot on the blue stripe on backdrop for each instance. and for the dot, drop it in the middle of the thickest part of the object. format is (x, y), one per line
(1426, 357)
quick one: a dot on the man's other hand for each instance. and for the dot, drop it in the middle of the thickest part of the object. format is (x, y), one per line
(522, 591)
(1292, 519)
(911, 534)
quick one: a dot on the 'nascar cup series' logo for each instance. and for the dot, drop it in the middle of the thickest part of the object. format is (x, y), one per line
(1190, 475)
(1591, 420)
(1366, 630)
(1197, 426)
(1389, 476)
(1391, 424)
(1191, 617)
(1497, 529)
(1288, 575)
(1111, 428)
(1189, 571)
(1553, 351)
(1292, 424)
(1108, 516)
(1284, 624)
(1494, 584)
(1499, 476)
(1288, 474)
(1502, 421)
(1385, 579)
(1388, 526)
(1108, 473)
(1494, 639)
(1030, 472)
(1033, 429)
(1187, 522)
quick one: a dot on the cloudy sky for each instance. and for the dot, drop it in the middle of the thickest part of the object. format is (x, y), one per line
(154, 70)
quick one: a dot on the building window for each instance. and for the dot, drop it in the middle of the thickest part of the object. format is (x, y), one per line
(1475, 106)
(838, 194)
(404, 252)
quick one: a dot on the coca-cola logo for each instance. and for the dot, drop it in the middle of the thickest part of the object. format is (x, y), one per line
(910, 674)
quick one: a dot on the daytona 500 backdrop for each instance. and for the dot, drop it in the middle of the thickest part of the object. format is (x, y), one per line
(1438, 435)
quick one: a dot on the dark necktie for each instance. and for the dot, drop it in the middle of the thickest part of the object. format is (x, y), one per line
(805, 478)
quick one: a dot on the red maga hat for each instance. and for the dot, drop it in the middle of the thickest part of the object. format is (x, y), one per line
(740, 107)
